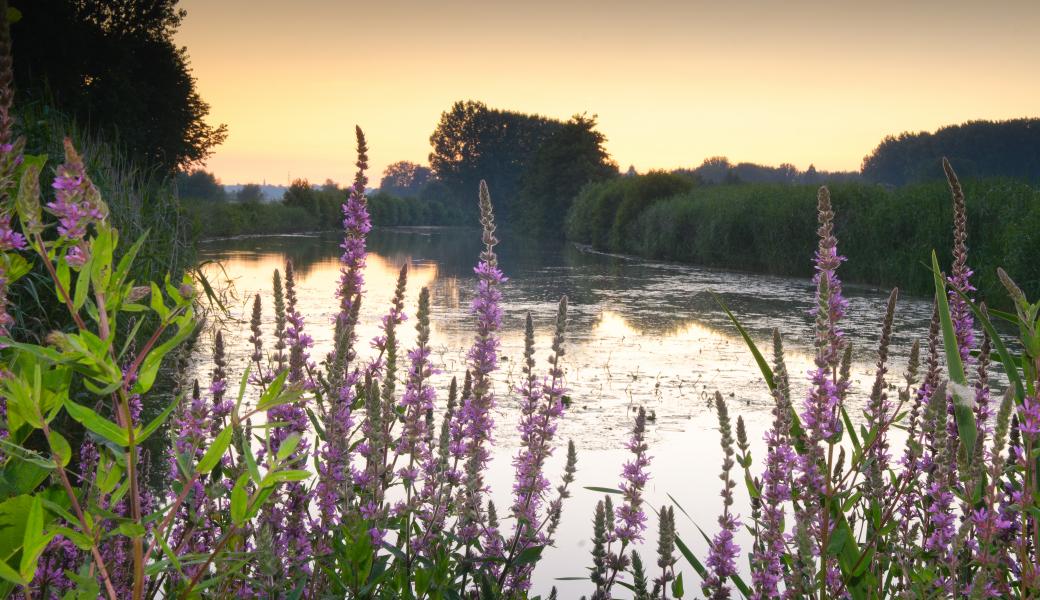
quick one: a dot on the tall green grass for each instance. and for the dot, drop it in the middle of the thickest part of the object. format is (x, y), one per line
(767, 228)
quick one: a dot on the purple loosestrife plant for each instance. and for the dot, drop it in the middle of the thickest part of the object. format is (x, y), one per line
(631, 518)
(960, 278)
(767, 562)
(541, 407)
(821, 410)
(723, 551)
(474, 414)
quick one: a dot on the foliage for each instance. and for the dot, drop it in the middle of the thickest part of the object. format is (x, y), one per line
(140, 199)
(603, 213)
(767, 228)
(209, 220)
(330, 480)
(198, 184)
(571, 158)
(952, 513)
(404, 179)
(980, 149)
(473, 142)
(718, 170)
(116, 66)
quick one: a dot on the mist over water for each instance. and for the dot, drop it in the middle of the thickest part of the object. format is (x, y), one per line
(640, 333)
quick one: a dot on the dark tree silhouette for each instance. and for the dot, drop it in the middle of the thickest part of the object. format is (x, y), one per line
(404, 179)
(978, 148)
(250, 192)
(113, 65)
(474, 142)
(200, 185)
(573, 157)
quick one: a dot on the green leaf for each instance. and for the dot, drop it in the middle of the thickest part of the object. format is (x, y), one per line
(11, 575)
(131, 529)
(277, 393)
(79, 296)
(529, 555)
(691, 558)
(215, 451)
(677, 586)
(962, 410)
(98, 424)
(288, 446)
(603, 490)
(280, 476)
(1006, 360)
(123, 268)
(247, 454)
(33, 539)
(60, 447)
(239, 500)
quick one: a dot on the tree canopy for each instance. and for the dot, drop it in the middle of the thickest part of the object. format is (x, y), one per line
(978, 149)
(404, 179)
(473, 142)
(113, 64)
(200, 185)
(571, 158)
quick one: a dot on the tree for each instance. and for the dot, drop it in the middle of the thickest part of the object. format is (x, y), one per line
(473, 142)
(573, 157)
(250, 192)
(977, 148)
(200, 185)
(301, 194)
(404, 179)
(114, 64)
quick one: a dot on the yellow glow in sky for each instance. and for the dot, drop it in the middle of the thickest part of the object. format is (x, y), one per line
(672, 82)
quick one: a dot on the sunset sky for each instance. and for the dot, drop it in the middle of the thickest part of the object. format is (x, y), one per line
(672, 82)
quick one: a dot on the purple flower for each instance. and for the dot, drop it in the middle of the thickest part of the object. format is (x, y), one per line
(9, 239)
(77, 203)
(1029, 416)
(631, 518)
(722, 551)
(721, 561)
(475, 421)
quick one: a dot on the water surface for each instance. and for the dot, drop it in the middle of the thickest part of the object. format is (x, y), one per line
(640, 333)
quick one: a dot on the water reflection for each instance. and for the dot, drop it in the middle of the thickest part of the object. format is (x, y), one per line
(640, 333)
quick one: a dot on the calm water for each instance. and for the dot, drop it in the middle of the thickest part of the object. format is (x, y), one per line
(641, 333)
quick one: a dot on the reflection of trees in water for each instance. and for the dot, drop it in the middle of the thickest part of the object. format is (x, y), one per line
(305, 251)
(454, 249)
(653, 299)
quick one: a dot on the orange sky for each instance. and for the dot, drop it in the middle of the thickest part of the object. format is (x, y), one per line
(672, 82)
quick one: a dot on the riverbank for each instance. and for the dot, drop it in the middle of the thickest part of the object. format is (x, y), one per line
(215, 220)
(886, 233)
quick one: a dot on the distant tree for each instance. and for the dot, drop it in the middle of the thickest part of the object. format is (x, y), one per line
(714, 169)
(115, 65)
(631, 172)
(811, 176)
(573, 157)
(473, 142)
(250, 192)
(301, 194)
(200, 185)
(404, 179)
(976, 148)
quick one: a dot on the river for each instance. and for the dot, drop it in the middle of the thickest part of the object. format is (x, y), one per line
(640, 333)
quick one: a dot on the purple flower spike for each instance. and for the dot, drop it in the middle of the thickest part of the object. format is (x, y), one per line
(631, 518)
